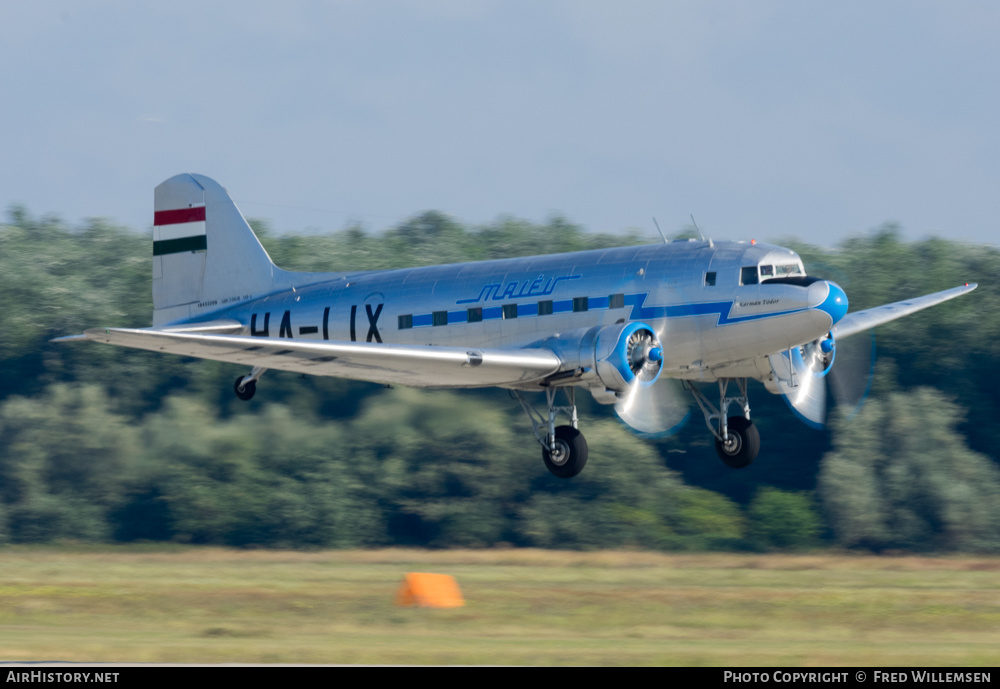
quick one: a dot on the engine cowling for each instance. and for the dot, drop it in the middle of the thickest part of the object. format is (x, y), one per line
(627, 354)
(608, 359)
(811, 360)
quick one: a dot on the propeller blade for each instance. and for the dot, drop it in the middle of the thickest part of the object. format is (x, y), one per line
(851, 378)
(659, 409)
(808, 399)
(800, 375)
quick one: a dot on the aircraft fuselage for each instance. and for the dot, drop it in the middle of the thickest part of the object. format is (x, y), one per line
(712, 303)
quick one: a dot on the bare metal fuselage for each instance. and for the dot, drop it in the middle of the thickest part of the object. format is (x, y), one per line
(707, 330)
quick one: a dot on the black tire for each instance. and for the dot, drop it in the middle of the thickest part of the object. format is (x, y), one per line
(244, 392)
(745, 446)
(571, 458)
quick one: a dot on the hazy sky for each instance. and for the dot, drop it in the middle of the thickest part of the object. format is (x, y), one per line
(763, 119)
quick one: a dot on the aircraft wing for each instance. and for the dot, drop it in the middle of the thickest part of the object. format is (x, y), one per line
(860, 321)
(413, 365)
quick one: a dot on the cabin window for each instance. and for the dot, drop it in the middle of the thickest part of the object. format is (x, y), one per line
(475, 314)
(545, 308)
(580, 303)
(406, 321)
(710, 279)
(509, 311)
(440, 318)
(748, 275)
(616, 301)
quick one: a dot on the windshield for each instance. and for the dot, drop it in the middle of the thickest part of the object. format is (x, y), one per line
(771, 272)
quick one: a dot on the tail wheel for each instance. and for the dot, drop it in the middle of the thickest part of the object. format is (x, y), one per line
(569, 455)
(743, 444)
(244, 392)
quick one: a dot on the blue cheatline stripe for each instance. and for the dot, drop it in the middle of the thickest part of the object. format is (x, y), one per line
(639, 311)
(562, 306)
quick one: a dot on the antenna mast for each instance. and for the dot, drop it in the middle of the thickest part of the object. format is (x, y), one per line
(700, 233)
(660, 231)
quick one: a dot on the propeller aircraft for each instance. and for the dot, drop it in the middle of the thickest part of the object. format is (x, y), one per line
(630, 325)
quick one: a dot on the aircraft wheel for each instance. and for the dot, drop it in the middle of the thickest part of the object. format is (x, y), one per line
(244, 392)
(570, 454)
(743, 445)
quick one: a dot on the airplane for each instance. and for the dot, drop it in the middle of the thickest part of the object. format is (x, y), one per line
(627, 324)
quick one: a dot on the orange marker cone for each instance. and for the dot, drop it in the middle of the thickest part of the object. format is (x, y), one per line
(430, 591)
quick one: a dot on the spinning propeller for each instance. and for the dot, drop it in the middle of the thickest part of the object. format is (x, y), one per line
(652, 405)
(801, 374)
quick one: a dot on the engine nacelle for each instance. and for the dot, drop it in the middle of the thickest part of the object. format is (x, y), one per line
(609, 359)
(791, 368)
(627, 354)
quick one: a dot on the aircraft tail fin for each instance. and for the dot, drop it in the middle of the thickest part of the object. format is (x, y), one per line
(205, 255)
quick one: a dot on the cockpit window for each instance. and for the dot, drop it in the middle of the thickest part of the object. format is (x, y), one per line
(748, 275)
(787, 269)
(766, 272)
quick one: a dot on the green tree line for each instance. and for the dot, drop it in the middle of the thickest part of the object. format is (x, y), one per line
(105, 444)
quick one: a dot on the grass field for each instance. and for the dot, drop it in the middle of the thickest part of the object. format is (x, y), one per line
(522, 607)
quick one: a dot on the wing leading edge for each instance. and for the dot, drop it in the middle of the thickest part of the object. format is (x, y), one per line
(413, 365)
(861, 321)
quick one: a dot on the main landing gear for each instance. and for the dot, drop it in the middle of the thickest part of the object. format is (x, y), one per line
(737, 441)
(246, 386)
(564, 449)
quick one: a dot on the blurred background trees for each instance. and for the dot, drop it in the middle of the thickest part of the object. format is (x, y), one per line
(107, 444)
(900, 477)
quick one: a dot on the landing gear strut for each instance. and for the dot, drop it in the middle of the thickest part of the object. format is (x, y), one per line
(737, 441)
(246, 386)
(564, 449)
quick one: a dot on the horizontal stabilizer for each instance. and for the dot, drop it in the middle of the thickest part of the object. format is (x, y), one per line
(413, 365)
(223, 326)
